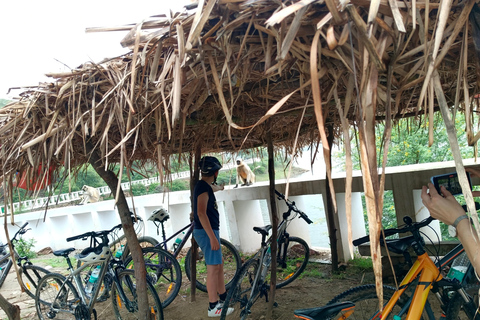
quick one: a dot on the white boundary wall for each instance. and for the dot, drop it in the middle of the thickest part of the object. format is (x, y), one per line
(239, 208)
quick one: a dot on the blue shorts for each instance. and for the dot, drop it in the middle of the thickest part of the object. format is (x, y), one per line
(212, 257)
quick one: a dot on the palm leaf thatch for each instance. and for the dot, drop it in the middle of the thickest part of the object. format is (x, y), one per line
(213, 77)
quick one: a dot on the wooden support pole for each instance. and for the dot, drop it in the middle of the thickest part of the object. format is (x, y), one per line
(195, 174)
(274, 219)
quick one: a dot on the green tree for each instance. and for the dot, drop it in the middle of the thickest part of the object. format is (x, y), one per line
(409, 145)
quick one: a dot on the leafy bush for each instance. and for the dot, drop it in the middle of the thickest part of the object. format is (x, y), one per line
(25, 247)
(138, 189)
(178, 185)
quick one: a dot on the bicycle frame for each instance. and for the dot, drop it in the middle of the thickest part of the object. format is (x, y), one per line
(428, 273)
(188, 233)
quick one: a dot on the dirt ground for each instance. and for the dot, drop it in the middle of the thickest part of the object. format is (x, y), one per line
(317, 286)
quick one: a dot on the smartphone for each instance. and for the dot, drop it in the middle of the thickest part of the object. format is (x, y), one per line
(450, 182)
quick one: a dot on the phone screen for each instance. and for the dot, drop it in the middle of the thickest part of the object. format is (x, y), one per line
(450, 182)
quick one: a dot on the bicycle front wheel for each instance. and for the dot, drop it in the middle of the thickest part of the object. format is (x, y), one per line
(56, 298)
(163, 271)
(31, 276)
(145, 242)
(366, 301)
(241, 297)
(125, 302)
(292, 259)
(231, 263)
(4, 269)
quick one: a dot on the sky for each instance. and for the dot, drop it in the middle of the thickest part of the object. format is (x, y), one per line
(43, 36)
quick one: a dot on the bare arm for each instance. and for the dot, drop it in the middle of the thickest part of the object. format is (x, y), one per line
(448, 210)
(202, 202)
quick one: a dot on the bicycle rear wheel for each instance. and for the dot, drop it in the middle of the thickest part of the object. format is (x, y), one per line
(56, 298)
(127, 307)
(31, 276)
(163, 271)
(4, 269)
(458, 309)
(241, 297)
(292, 259)
(366, 301)
(231, 263)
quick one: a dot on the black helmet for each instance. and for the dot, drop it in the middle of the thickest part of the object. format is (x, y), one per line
(209, 165)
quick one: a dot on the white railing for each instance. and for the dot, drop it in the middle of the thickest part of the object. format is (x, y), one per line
(75, 196)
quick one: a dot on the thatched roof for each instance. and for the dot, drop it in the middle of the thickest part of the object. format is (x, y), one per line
(213, 76)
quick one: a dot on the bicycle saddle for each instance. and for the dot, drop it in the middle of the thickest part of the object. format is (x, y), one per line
(63, 252)
(263, 230)
(325, 312)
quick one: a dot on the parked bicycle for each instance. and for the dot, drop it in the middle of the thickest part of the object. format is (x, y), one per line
(457, 300)
(252, 280)
(77, 296)
(165, 270)
(29, 273)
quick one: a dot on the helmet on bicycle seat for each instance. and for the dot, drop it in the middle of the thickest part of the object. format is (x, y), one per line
(159, 215)
(96, 254)
(209, 165)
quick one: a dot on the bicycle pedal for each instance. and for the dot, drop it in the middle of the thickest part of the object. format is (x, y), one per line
(275, 304)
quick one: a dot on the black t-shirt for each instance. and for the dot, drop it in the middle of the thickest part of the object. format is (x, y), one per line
(212, 208)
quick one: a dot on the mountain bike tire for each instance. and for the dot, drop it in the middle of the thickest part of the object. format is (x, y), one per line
(5, 269)
(231, 264)
(292, 263)
(366, 301)
(31, 276)
(163, 271)
(240, 297)
(458, 309)
(128, 285)
(145, 242)
(56, 296)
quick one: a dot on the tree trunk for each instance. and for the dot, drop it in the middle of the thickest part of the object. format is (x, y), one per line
(274, 217)
(195, 175)
(330, 210)
(12, 311)
(127, 224)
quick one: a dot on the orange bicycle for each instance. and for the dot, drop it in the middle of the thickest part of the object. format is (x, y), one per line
(456, 299)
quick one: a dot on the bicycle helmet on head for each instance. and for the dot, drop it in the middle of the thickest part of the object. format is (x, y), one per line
(96, 254)
(160, 215)
(209, 165)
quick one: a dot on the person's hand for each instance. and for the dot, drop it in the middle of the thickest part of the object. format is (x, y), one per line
(473, 172)
(216, 188)
(445, 209)
(214, 244)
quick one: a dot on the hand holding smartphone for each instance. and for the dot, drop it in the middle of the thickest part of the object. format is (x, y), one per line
(450, 182)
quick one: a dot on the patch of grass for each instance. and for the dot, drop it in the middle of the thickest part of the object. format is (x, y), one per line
(361, 264)
(313, 272)
(54, 262)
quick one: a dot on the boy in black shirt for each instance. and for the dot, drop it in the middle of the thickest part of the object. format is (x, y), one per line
(207, 233)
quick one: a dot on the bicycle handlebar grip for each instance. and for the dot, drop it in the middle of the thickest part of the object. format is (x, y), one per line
(24, 225)
(81, 236)
(279, 194)
(361, 240)
(305, 217)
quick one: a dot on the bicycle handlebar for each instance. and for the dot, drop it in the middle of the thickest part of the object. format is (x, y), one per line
(410, 227)
(22, 230)
(291, 206)
(94, 234)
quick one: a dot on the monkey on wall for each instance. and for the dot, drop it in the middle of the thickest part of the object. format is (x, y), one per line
(244, 174)
(90, 194)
